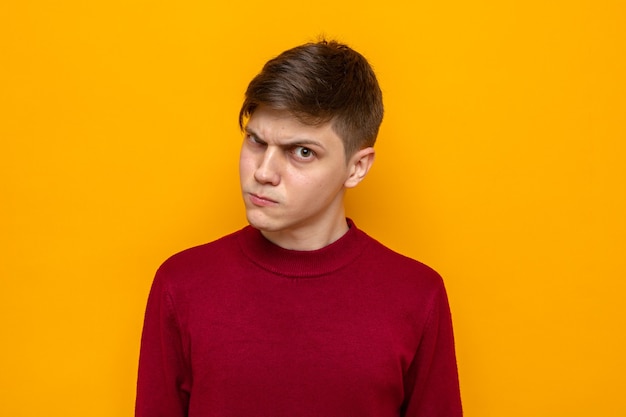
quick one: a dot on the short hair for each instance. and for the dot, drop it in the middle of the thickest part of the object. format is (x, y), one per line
(321, 82)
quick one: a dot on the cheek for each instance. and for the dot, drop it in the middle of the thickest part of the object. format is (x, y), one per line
(245, 163)
(299, 180)
(311, 187)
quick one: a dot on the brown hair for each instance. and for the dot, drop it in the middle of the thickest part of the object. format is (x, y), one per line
(321, 82)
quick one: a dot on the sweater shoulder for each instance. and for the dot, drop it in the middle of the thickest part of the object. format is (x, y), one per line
(198, 259)
(378, 257)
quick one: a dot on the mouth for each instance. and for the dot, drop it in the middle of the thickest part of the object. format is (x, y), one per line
(261, 201)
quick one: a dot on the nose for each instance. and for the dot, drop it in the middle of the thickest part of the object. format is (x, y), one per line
(268, 169)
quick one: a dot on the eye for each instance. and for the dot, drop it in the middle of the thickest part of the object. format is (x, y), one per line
(303, 153)
(254, 140)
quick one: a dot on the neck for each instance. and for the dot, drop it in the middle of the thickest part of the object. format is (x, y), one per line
(308, 238)
(303, 263)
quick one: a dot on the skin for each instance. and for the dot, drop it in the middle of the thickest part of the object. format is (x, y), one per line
(294, 177)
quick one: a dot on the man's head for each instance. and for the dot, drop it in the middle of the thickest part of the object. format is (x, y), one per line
(322, 82)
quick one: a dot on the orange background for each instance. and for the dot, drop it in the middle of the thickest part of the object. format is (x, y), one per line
(501, 163)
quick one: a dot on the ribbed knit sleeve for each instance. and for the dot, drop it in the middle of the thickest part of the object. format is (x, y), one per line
(164, 378)
(431, 383)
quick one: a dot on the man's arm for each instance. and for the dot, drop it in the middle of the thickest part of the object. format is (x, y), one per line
(163, 382)
(431, 384)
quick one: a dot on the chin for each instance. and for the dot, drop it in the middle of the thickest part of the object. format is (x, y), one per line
(262, 223)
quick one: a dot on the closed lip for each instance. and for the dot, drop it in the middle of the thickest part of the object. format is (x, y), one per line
(260, 200)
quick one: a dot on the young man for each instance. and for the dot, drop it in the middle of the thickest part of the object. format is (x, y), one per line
(300, 313)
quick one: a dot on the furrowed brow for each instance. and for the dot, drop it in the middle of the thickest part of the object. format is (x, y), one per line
(288, 143)
(303, 142)
(251, 132)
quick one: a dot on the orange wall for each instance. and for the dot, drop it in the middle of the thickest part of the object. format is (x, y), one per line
(500, 163)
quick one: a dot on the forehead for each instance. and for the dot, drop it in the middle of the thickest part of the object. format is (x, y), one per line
(267, 122)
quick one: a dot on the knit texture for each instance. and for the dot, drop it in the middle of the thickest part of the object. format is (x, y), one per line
(241, 327)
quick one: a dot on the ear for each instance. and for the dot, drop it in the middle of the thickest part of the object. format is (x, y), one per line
(358, 166)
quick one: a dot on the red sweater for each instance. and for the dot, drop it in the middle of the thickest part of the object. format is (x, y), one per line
(241, 327)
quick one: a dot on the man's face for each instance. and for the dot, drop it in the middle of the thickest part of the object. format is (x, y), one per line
(293, 176)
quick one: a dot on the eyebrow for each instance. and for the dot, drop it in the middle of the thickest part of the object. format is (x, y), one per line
(294, 142)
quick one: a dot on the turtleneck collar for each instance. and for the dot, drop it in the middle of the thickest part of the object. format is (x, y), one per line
(301, 264)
